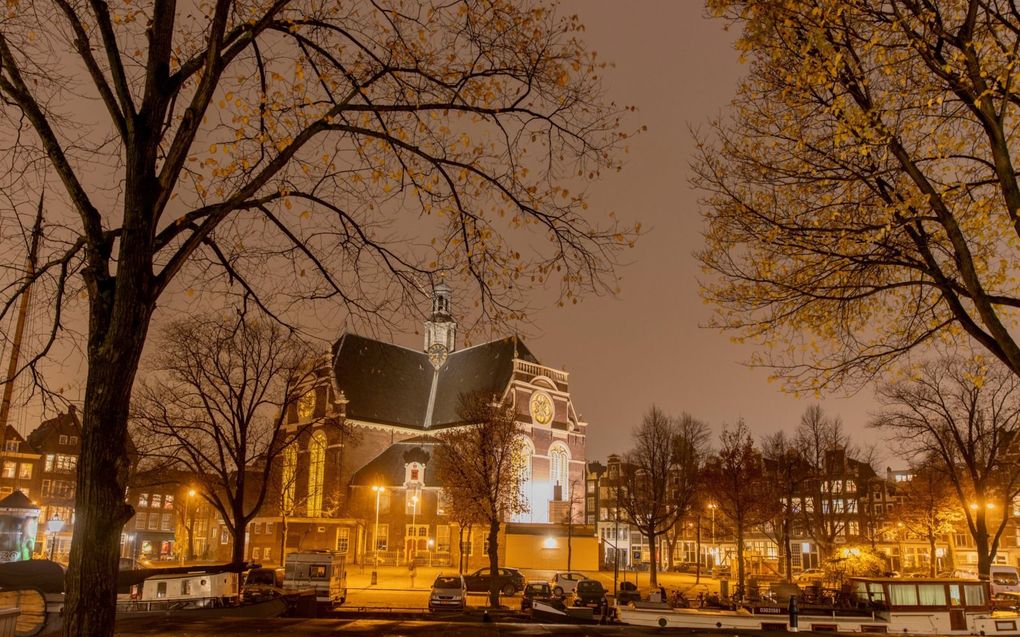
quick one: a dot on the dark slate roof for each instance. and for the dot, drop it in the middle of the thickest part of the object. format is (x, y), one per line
(389, 384)
(485, 368)
(387, 469)
(17, 500)
(39, 435)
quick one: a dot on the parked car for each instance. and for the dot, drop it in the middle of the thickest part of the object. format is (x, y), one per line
(589, 592)
(810, 575)
(262, 583)
(565, 583)
(510, 581)
(684, 567)
(627, 593)
(535, 591)
(720, 571)
(449, 592)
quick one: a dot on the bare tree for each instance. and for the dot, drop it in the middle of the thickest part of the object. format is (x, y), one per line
(861, 195)
(788, 472)
(928, 507)
(963, 412)
(659, 475)
(482, 463)
(215, 404)
(835, 471)
(292, 150)
(745, 495)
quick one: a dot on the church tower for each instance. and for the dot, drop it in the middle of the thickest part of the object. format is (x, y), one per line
(440, 329)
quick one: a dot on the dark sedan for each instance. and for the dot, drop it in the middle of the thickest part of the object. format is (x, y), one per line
(510, 581)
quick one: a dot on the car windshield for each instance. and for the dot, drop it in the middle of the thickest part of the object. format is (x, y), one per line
(589, 586)
(447, 582)
(537, 589)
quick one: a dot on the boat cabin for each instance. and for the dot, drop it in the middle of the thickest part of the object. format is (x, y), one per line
(189, 586)
(921, 594)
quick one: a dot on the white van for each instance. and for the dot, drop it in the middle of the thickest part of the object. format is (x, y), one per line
(1005, 579)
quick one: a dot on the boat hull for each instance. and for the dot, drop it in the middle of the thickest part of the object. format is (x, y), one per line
(917, 623)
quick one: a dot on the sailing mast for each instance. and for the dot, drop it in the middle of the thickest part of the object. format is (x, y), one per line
(19, 329)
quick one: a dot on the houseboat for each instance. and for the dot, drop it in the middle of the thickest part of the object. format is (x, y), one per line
(870, 605)
(194, 594)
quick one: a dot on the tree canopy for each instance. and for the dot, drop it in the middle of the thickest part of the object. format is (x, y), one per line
(285, 150)
(861, 194)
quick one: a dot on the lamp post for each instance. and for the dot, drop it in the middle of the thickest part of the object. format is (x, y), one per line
(715, 549)
(53, 526)
(378, 492)
(414, 525)
(432, 543)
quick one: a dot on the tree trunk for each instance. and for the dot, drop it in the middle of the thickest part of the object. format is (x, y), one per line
(284, 527)
(653, 562)
(191, 538)
(494, 563)
(931, 555)
(786, 552)
(570, 544)
(697, 571)
(460, 548)
(115, 345)
(671, 540)
(984, 552)
(740, 558)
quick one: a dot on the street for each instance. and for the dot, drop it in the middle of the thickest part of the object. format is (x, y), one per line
(395, 589)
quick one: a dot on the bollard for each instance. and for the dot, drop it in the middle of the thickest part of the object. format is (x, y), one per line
(375, 578)
(724, 588)
(793, 614)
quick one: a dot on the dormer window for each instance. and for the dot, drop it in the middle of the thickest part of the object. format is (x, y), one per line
(414, 473)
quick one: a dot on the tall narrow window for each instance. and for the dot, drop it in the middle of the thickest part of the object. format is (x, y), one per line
(289, 482)
(316, 469)
(558, 465)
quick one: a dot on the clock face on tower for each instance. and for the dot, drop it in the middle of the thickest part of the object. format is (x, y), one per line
(541, 408)
(437, 355)
(306, 405)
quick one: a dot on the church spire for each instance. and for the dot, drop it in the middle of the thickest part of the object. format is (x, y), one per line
(440, 329)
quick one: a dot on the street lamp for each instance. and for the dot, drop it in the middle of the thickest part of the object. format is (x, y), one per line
(54, 525)
(378, 492)
(715, 549)
(432, 544)
(414, 527)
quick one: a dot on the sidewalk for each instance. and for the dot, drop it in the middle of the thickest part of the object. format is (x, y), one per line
(395, 578)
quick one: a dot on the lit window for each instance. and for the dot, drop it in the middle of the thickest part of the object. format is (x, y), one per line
(168, 502)
(559, 465)
(140, 519)
(256, 553)
(62, 440)
(316, 471)
(157, 500)
(143, 500)
(267, 553)
(165, 524)
(343, 541)
(289, 483)
(9, 468)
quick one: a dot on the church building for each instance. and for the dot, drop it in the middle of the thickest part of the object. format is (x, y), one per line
(358, 479)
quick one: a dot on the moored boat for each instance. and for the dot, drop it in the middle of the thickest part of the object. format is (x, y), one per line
(874, 605)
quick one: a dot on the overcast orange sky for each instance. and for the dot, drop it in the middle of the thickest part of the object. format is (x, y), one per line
(645, 346)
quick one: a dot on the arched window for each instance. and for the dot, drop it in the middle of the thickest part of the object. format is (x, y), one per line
(316, 470)
(289, 479)
(559, 465)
